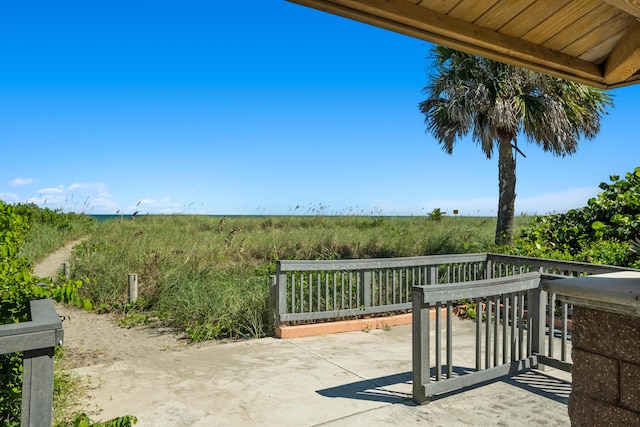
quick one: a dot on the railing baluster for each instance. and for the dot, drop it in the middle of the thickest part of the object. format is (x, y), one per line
(319, 291)
(394, 284)
(310, 292)
(342, 290)
(479, 334)
(505, 323)
(514, 323)
(405, 285)
(487, 351)
(293, 293)
(350, 280)
(529, 321)
(326, 291)
(301, 299)
(335, 291)
(552, 321)
(438, 343)
(521, 326)
(563, 346)
(496, 335)
(449, 339)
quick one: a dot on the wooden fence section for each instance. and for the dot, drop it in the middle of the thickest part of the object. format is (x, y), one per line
(507, 346)
(36, 339)
(304, 291)
(518, 324)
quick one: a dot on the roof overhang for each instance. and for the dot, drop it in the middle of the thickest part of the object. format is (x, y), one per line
(596, 42)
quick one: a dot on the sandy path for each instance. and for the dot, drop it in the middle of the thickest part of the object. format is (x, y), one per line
(91, 338)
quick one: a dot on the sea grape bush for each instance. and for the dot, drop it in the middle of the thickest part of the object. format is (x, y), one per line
(605, 231)
(16, 290)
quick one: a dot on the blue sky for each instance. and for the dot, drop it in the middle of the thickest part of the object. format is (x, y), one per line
(252, 107)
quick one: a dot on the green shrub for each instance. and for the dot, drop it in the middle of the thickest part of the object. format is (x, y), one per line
(17, 288)
(601, 232)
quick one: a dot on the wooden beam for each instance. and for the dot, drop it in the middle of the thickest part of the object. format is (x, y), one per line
(632, 7)
(416, 21)
(624, 60)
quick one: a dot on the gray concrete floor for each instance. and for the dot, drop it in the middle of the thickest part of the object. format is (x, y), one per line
(347, 379)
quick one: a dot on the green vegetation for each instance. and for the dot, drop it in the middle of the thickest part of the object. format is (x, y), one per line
(18, 286)
(16, 290)
(50, 229)
(209, 275)
(606, 231)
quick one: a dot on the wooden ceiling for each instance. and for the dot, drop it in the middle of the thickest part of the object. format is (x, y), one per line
(596, 42)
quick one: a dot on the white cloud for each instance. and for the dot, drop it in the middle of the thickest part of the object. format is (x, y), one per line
(79, 197)
(89, 187)
(104, 205)
(164, 205)
(53, 190)
(18, 182)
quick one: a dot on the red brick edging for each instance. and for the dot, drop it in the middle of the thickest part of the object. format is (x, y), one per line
(299, 331)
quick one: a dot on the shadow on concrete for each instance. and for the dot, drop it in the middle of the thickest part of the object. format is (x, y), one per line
(375, 389)
(384, 389)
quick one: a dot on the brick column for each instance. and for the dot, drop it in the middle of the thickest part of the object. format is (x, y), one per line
(606, 369)
(605, 347)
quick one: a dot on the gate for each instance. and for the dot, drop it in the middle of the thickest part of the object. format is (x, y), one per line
(511, 323)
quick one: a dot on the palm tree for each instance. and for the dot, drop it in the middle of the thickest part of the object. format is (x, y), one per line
(499, 102)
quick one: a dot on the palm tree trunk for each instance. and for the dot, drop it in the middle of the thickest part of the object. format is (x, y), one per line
(507, 185)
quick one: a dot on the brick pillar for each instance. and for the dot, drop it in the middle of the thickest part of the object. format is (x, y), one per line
(606, 369)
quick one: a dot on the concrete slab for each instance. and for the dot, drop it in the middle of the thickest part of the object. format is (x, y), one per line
(352, 378)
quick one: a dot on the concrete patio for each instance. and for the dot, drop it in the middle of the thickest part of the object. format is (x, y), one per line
(346, 379)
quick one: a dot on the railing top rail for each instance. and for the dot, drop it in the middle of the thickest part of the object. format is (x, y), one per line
(43, 318)
(376, 263)
(558, 264)
(479, 288)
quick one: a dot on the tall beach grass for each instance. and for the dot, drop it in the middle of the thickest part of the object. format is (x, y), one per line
(209, 275)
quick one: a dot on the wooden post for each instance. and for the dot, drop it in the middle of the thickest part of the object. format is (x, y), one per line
(66, 270)
(37, 387)
(420, 345)
(538, 310)
(133, 288)
(273, 304)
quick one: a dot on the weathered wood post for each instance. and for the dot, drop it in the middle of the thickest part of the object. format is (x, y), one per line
(273, 305)
(66, 269)
(420, 345)
(133, 288)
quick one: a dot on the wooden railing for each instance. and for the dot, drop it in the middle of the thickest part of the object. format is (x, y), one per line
(519, 325)
(505, 345)
(309, 291)
(36, 340)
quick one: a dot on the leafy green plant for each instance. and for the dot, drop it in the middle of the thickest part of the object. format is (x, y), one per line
(82, 420)
(601, 232)
(17, 288)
